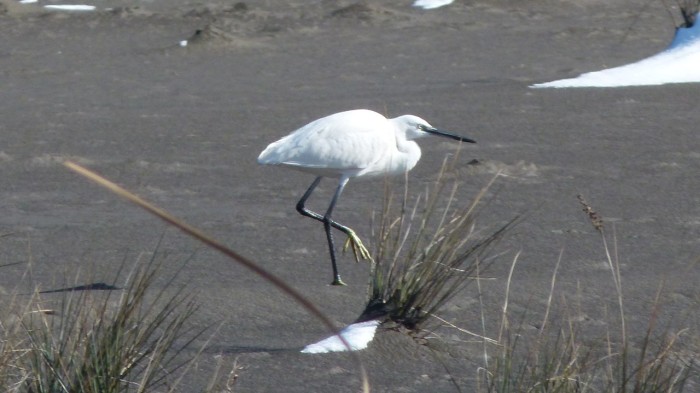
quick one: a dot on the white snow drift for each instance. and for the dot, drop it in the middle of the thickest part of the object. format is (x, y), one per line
(679, 63)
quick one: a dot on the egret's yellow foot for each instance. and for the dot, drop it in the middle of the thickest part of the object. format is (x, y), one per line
(358, 249)
(338, 281)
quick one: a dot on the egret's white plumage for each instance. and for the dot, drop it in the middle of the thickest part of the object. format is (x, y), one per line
(358, 143)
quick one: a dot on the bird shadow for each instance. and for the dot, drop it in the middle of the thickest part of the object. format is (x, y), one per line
(98, 286)
(242, 349)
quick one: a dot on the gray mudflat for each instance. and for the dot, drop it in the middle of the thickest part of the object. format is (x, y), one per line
(182, 127)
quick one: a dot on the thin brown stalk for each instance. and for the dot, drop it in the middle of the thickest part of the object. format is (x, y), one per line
(504, 310)
(211, 242)
(545, 319)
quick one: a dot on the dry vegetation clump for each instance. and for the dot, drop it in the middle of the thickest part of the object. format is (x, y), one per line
(426, 254)
(99, 341)
(689, 11)
(561, 357)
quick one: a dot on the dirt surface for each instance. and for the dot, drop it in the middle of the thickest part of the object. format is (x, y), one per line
(182, 127)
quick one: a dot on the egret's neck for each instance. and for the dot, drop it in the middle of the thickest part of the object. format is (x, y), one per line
(407, 157)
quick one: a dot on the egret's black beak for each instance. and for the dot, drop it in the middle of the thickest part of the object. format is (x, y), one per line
(446, 134)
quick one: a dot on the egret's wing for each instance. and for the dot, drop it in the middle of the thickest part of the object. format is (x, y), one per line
(346, 141)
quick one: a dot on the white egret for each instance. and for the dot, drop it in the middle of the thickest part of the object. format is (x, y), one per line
(353, 144)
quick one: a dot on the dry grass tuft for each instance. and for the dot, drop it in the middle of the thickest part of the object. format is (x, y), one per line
(427, 254)
(689, 11)
(98, 341)
(560, 357)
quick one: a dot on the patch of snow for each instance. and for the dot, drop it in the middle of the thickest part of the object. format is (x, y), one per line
(431, 4)
(686, 35)
(358, 335)
(71, 7)
(679, 63)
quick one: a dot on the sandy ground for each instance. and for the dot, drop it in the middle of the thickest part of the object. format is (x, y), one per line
(182, 127)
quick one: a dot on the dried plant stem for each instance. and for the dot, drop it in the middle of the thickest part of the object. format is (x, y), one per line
(551, 293)
(209, 241)
(504, 310)
(614, 265)
(479, 336)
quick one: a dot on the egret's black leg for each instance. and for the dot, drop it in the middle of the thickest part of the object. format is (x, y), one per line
(301, 208)
(327, 221)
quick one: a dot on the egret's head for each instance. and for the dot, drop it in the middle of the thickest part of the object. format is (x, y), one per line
(415, 128)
